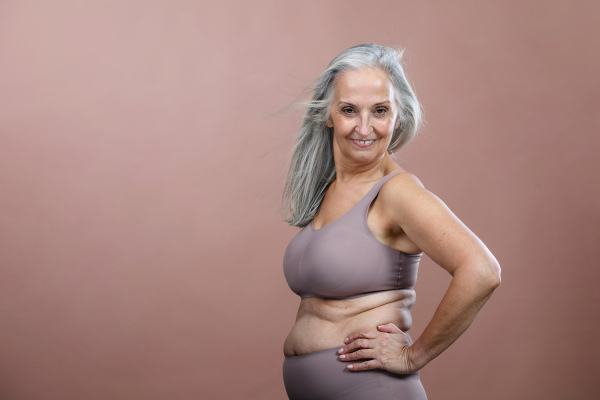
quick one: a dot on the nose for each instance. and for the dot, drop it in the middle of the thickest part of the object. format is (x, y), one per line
(363, 128)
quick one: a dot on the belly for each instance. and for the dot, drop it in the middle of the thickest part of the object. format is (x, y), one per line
(325, 323)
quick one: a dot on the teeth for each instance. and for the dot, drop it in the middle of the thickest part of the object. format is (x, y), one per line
(365, 141)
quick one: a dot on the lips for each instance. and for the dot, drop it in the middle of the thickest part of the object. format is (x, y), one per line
(363, 143)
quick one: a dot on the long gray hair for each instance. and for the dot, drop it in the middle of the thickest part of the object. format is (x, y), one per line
(312, 167)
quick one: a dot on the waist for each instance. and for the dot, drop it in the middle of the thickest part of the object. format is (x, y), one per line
(325, 323)
(322, 375)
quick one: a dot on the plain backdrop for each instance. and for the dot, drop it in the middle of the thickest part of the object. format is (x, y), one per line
(143, 146)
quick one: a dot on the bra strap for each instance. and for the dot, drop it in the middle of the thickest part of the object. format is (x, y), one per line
(377, 188)
(366, 201)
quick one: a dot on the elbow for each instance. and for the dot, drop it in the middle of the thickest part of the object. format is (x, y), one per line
(491, 276)
(484, 275)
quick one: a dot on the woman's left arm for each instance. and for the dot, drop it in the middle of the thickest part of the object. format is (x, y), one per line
(432, 227)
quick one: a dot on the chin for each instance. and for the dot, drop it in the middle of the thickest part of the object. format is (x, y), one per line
(366, 157)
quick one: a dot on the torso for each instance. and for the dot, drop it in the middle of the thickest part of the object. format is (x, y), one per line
(323, 323)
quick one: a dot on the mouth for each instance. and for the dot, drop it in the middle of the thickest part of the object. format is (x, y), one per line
(363, 143)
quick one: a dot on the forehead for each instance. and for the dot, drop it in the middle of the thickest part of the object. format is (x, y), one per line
(365, 84)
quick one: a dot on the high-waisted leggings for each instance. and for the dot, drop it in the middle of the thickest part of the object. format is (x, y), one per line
(323, 376)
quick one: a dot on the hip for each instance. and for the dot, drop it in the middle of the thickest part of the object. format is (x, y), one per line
(322, 375)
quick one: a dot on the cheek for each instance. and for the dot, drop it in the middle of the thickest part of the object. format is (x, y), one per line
(386, 126)
(343, 127)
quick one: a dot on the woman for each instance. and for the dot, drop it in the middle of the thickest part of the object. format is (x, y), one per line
(366, 223)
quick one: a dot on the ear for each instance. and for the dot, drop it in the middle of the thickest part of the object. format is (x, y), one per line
(397, 123)
(329, 122)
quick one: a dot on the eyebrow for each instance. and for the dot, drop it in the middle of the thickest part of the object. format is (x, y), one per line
(376, 104)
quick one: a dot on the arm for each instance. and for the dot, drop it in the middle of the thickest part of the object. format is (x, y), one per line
(431, 226)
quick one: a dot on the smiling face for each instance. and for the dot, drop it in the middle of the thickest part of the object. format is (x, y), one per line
(363, 116)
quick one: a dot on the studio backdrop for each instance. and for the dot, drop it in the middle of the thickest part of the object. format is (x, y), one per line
(143, 147)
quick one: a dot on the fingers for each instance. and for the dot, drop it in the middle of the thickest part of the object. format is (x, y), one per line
(360, 354)
(361, 334)
(365, 365)
(389, 328)
(356, 345)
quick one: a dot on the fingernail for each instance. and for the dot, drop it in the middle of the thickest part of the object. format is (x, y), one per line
(340, 351)
(381, 326)
(346, 340)
(350, 366)
(343, 356)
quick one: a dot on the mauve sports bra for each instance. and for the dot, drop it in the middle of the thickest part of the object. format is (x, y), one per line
(343, 259)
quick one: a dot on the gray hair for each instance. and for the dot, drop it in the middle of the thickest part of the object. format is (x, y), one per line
(312, 167)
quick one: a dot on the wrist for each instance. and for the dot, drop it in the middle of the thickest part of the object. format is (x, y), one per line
(417, 357)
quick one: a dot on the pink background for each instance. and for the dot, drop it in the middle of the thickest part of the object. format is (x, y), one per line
(141, 163)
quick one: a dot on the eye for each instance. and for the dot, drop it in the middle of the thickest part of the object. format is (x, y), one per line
(347, 110)
(381, 111)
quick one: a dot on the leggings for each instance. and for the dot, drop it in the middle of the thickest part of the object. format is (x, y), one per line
(322, 376)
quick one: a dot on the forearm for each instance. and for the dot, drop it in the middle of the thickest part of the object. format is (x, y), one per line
(466, 295)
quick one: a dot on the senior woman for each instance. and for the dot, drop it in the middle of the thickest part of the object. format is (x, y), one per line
(365, 224)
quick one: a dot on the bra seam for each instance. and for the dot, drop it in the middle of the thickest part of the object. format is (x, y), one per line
(366, 212)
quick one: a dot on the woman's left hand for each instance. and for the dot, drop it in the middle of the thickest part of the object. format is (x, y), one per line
(387, 348)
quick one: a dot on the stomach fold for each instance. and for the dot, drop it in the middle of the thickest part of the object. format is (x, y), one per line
(324, 323)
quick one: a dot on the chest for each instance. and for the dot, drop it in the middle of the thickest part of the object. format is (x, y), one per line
(344, 260)
(337, 202)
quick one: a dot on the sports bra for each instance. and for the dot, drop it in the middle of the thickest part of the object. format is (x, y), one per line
(344, 260)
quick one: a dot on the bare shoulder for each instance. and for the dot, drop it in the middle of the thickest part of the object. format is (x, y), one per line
(430, 224)
(402, 187)
(404, 197)
(399, 181)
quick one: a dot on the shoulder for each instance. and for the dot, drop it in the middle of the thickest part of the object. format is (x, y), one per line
(404, 195)
(401, 185)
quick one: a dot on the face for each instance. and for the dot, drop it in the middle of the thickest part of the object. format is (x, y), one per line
(364, 115)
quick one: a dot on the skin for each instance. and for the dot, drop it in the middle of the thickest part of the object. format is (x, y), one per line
(404, 216)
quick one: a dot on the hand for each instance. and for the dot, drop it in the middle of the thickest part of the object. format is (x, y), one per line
(387, 348)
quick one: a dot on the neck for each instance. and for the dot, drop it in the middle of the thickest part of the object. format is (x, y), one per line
(367, 172)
